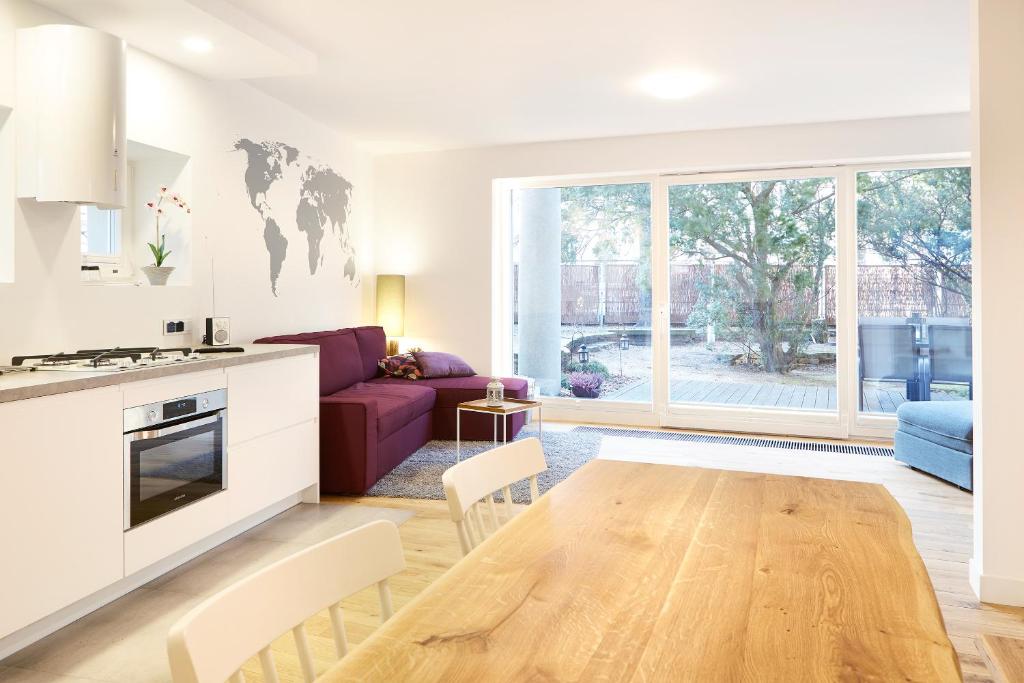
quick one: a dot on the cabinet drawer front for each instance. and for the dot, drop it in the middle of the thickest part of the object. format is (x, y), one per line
(268, 469)
(269, 396)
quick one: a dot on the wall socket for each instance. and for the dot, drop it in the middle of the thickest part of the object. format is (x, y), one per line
(177, 326)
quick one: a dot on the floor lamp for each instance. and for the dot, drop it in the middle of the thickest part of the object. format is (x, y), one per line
(391, 308)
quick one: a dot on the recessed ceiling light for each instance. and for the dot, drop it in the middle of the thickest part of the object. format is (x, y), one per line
(197, 44)
(674, 85)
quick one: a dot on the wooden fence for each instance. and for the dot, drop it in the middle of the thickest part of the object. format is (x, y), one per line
(618, 293)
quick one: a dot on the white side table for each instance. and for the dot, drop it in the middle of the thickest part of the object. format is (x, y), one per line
(510, 406)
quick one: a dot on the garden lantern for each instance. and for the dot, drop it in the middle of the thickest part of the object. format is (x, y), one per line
(584, 354)
(623, 343)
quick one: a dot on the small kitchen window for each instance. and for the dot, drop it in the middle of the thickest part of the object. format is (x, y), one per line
(101, 234)
(106, 242)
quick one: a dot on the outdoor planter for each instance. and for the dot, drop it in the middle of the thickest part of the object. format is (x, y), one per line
(585, 384)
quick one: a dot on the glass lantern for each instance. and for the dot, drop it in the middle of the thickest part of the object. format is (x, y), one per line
(495, 392)
(624, 343)
(584, 354)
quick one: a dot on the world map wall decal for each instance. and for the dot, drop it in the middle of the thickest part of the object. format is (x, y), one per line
(323, 202)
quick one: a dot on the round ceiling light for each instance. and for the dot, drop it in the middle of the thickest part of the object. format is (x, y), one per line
(197, 44)
(674, 85)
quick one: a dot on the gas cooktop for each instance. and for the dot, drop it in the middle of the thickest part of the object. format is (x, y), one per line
(107, 360)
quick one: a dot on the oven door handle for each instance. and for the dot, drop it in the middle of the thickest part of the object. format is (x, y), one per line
(157, 433)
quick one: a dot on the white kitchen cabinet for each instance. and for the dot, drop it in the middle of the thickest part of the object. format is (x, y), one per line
(272, 467)
(63, 548)
(269, 396)
(162, 537)
(61, 503)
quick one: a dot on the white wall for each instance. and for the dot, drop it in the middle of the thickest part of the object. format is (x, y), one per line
(433, 209)
(997, 567)
(47, 309)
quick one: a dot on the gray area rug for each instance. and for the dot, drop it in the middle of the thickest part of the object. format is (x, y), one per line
(420, 475)
(566, 451)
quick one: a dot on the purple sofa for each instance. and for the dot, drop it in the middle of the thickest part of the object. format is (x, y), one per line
(370, 423)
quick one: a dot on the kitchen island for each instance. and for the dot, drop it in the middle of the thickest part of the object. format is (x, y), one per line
(67, 465)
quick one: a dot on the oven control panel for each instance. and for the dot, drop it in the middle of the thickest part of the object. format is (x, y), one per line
(181, 407)
(153, 414)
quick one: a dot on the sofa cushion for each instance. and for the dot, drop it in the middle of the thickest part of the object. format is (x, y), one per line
(947, 423)
(372, 347)
(438, 364)
(396, 404)
(340, 362)
(452, 391)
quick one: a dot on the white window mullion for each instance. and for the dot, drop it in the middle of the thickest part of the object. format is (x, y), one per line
(660, 305)
(502, 280)
(847, 374)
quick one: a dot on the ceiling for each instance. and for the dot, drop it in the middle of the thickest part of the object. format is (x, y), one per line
(458, 73)
(240, 45)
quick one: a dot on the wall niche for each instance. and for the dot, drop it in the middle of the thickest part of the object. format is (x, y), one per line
(115, 243)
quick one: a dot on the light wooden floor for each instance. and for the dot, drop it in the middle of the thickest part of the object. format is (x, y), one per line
(941, 516)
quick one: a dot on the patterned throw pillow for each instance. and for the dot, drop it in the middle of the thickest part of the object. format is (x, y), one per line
(403, 365)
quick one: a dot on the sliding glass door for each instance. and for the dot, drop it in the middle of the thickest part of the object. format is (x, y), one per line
(752, 277)
(804, 301)
(913, 287)
(582, 303)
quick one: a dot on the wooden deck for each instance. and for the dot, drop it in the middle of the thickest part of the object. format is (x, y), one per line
(764, 395)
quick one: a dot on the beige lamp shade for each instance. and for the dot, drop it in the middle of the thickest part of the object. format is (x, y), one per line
(391, 304)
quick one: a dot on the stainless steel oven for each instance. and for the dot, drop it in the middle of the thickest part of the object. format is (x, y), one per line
(174, 454)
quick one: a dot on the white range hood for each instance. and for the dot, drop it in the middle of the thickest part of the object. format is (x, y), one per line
(70, 114)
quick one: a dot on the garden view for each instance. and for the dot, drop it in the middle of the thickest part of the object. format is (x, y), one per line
(752, 285)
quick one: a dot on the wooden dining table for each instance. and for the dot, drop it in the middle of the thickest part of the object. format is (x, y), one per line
(640, 572)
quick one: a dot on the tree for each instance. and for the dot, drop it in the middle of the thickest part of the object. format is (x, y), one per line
(920, 217)
(764, 245)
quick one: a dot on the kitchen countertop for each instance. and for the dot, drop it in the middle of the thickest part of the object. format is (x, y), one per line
(21, 385)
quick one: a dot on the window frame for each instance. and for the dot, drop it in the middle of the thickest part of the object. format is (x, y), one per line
(748, 418)
(115, 225)
(502, 355)
(864, 423)
(847, 421)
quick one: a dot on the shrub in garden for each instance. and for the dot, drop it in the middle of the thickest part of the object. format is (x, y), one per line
(593, 367)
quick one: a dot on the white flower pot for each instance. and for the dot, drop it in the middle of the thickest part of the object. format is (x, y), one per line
(158, 275)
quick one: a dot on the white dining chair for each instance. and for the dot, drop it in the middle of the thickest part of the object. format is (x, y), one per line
(212, 641)
(472, 483)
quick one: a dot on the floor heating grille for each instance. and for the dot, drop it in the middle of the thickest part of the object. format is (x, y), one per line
(757, 442)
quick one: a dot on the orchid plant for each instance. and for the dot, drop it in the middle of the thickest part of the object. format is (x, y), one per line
(159, 249)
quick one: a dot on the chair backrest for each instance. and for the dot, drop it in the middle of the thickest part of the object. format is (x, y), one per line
(887, 351)
(471, 483)
(950, 349)
(212, 641)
